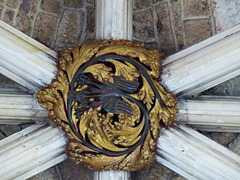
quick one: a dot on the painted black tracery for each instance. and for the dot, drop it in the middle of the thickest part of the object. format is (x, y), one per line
(109, 95)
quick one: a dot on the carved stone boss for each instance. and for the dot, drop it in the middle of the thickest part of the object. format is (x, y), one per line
(107, 99)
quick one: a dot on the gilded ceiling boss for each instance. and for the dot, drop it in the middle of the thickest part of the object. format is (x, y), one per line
(107, 99)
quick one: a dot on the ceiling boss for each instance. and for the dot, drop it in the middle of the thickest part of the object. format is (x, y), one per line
(107, 99)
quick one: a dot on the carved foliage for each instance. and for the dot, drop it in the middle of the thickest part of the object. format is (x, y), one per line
(105, 129)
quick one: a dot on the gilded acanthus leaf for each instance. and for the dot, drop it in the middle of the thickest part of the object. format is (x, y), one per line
(107, 100)
(100, 72)
(145, 94)
(148, 57)
(127, 71)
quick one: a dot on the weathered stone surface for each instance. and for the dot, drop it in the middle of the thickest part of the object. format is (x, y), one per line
(8, 16)
(90, 28)
(89, 34)
(197, 30)
(155, 1)
(226, 13)
(91, 1)
(196, 7)
(228, 88)
(140, 4)
(69, 170)
(164, 29)
(143, 25)
(12, 3)
(177, 23)
(74, 3)
(70, 29)
(2, 136)
(44, 28)
(156, 172)
(1, 9)
(142, 32)
(50, 174)
(143, 17)
(223, 138)
(25, 16)
(51, 5)
(141, 175)
(235, 145)
(90, 20)
(151, 45)
(65, 170)
(8, 83)
(7, 130)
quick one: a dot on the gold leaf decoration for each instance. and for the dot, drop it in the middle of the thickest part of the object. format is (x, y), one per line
(127, 71)
(100, 72)
(146, 94)
(109, 103)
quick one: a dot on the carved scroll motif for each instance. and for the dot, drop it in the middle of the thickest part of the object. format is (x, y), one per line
(106, 98)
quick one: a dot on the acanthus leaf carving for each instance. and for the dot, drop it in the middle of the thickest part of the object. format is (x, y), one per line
(108, 101)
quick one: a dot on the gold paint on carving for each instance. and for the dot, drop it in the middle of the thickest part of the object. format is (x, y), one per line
(100, 128)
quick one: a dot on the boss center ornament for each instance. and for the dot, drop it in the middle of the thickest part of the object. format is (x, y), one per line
(107, 99)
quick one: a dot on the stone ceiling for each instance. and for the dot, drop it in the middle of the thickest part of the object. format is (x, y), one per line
(167, 25)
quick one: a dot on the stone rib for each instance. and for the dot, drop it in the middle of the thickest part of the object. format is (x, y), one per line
(194, 156)
(204, 65)
(31, 151)
(20, 109)
(25, 60)
(210, 113)
(114, 19)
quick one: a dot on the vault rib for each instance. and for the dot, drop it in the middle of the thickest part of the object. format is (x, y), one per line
(204, 65)
(20, 109)
(194, 156)
(25, 60)
(210, 113)
(31, 151)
